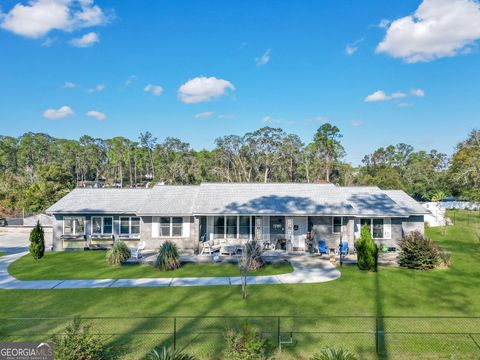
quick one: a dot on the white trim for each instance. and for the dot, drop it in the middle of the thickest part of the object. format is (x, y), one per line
(129, 225)
(170, 227)
(101, 225)
(371, 226)
(341, 225)
(74, 225)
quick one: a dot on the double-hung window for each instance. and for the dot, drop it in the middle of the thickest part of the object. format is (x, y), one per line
(73, 225)
(245, 226)
(376, 227)
(337, 223)
(102, 225)
(219, 227)
(129, 225)
(171, 226)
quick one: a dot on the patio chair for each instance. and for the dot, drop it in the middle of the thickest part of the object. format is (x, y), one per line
(344, 249)
(135, 252)
(322, 247)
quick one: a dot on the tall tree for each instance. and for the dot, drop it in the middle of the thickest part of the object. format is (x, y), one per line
(149, 142)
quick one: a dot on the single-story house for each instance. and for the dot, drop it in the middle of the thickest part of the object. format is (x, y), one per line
(191, 214)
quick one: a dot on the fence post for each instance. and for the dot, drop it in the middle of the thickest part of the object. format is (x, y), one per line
(175, 333)
(376, 335)
(279, 345)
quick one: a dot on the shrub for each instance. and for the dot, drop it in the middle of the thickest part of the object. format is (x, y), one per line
(37, 242)
(118, 253)
(334, 354)
(418, 252)
(78, 343)
(367, 251)
(253, 251)
(165, 353)
(246, 345)
(168, 257)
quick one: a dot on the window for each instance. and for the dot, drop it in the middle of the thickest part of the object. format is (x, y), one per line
(337, 224)
(73, 225)
(102, 225)
(232, 227)
(244, 227)
(377, 231)
(164, 226)
(177, 226)
(129, 226)
(219, 227)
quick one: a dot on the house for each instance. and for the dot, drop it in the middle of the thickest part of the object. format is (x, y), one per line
(234, 212)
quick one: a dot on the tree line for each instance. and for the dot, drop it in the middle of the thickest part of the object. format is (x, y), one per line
(37, 169)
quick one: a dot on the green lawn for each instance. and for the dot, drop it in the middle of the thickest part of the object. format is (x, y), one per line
(92, 265)
(2, 253)
(390, 292)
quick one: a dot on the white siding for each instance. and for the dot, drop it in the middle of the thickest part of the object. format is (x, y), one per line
(155, 227)
(387, 228)
(186, 226)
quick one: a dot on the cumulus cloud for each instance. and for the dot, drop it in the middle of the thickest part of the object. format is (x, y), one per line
(202, 89)
(98, 88)
(97, 115)
(54, 114)
(39, 17)
(69, 85)
(264, 59)
(153, 89)
(204, 115)
(438, 28)
(352, 48)
(384, 23)
(86, 40)
(380, 95)
(417, 92)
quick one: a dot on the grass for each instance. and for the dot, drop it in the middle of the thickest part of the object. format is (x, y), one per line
(2, 253)
(390, 292)
(79, 265)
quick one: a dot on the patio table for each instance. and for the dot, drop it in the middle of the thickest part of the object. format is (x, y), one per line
(230, 249)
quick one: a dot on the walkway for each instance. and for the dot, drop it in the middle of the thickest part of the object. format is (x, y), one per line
(307, 269)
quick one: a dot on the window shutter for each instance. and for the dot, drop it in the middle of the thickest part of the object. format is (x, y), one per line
(186, 226)
(387, 228)
(155, 227)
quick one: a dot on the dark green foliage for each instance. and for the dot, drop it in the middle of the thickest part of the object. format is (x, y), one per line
(78, 343)
(245, 345)
(118, 253)
(418, 252)
(165, 353)
(168, 257)
(367, 250)
(333, 354)
(37, 242)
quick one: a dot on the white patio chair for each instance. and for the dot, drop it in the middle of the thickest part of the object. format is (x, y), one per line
(135, 252)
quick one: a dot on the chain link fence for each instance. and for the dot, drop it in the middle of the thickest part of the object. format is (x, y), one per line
(289, 337)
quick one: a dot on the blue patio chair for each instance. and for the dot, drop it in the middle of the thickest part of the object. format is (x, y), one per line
(322, 247)
(344, 249)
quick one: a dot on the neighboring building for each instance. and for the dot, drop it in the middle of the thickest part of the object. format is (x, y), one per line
(235, 212)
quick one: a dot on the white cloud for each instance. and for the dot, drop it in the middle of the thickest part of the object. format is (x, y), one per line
(417, 92)
(39, 17)
(352, 48)
(384, 23)
(264, 59)
(49, 41)
(204, 115)
(357, 123)
(54, 114)
(97, 115)
(438, 28)
(86, 40)
(380, 95)
(270, 120)
(69, 85)
(98, 88)
(131, 79)
(153, 89)
(202, 89)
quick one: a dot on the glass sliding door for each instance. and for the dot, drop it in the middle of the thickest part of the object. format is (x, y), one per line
(231, 227)
(244, 227)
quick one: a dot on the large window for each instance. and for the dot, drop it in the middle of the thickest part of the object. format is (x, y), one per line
(102, 225)
(219, 227)
(73, 225)
(164, 226)
(377, 231)
(171, 226)
(129, 225)
(244, 227)
(177, 226)
(231, 227)
(337, 223)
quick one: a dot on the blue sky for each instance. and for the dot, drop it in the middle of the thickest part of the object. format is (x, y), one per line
(384, 73)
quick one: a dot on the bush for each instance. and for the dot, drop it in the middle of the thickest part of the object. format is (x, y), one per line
(168, 257)
(165, 353)
(334, 354)
(79, 344)
(418, 252)
(118, 253)
(246, 345)
(253, 251)
(37, 242)
(367, 251)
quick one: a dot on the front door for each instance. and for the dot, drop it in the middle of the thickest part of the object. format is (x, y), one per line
(277, 227)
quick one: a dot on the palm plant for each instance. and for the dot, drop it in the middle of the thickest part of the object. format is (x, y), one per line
(165, 353)
(168, 257)
(253, 251)
(118, 253)
(333, 354)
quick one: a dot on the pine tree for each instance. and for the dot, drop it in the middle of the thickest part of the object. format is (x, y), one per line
(37, 242)
(367, 251)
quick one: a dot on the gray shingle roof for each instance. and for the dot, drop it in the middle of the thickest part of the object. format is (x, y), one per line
(241, 198)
